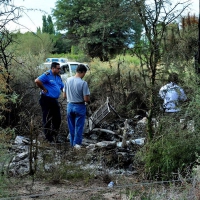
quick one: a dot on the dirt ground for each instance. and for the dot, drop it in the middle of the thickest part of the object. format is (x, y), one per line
(98, 190)
(67, 191)
(126, 186)
(75, 192)
(91, 189)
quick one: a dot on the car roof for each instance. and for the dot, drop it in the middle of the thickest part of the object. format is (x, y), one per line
(73, 62)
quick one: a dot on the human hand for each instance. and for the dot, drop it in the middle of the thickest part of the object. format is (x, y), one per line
(45, 91)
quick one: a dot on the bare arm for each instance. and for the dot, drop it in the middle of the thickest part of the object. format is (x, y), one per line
(87, 99)
(40, 85)
(64, 95)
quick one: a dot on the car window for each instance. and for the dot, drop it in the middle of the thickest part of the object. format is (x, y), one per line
(73, 67)
(64, 69)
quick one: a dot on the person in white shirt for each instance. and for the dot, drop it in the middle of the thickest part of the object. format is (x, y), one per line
(172, 95)
(77, 93)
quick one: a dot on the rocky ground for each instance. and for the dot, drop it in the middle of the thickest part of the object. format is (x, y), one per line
(129, 183)
(108, 155)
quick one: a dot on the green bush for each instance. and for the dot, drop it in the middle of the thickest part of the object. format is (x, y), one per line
(121, 82)
(71, 57)
(167, 155)
(174, 146)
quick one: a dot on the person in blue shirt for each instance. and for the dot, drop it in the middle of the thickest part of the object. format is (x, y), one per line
(51, 86)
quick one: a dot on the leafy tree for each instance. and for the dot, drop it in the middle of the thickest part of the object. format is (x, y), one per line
(30, 43)
(181, 37)
(51, 29)
(102, 28)
(30, 51)
(38, 30)
(163, 152)
(9, 13)
(47, 25)
(62, 45)
(44, 24)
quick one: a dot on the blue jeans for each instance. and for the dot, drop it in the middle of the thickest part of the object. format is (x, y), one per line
(76, 120)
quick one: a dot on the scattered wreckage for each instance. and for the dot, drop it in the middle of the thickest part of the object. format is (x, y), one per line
(99, 115)
(118, 142)
(112, 145)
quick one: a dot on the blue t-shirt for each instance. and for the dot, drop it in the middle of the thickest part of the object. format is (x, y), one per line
(53, 83)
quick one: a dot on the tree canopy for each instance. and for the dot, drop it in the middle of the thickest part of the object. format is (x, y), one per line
(34, 44)
(47, 25)
(102, 28)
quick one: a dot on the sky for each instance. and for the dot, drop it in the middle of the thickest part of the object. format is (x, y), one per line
(33, 19)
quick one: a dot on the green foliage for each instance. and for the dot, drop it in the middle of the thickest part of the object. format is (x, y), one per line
(181, 37)
(175, 146)
(4, 191)
(167, 155)
(120, 81)
(38, 30)
(5, 137)
(173, 149)
(62, 45)
(80, 57)
(7, 96)
(24, 70)
(65, 172)
(30, 43)
(44, 24)
(56, 55)
(129, 59)
(51, 29)
(57, 171)
(47, 25)
(156, 19)
(75, 50)
(100, 34)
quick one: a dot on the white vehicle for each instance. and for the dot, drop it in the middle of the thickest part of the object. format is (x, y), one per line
(47, 64)
(67, 68)
(59, 60)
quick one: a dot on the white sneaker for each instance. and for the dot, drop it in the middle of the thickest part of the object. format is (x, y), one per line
(77, 146)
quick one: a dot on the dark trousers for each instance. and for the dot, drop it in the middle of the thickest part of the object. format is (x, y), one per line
(51, 117)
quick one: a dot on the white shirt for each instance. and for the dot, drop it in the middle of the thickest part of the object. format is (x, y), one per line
(172, 94)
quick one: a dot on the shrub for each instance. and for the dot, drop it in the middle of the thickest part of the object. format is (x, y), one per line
(121, 82)
(170, 154)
